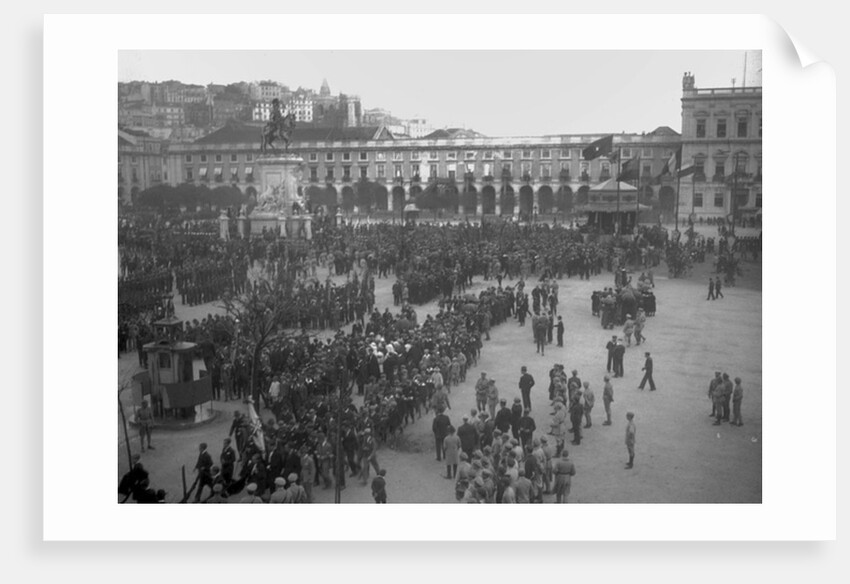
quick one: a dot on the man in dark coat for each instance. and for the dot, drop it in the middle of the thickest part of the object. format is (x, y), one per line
(610, 347)
(526, 429)
(516, 416)
(560, 329)
(576, 415)
(468, 437)
(710, 290)
(204, 469)
(227, 461)
(503, 417)
(647, 376)
(440, 427)
(526, 382)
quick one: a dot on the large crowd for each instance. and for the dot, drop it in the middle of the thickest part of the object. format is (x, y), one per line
(401, 367)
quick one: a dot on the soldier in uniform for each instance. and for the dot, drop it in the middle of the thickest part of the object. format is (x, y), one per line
(564, 470)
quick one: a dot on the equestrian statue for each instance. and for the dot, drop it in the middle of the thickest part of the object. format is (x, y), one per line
(279, 126)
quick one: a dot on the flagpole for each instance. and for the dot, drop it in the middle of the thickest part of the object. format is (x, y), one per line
(617, 223)
(637, 196)
(676, 212)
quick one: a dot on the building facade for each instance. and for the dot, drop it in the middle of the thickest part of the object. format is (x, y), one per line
(142, 164)
(721, 138)
(493, 176)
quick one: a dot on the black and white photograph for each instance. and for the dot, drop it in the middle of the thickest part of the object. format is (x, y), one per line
(442, 277)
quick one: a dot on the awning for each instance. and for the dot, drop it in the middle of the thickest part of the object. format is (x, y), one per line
(609, 207)
(249, 170)
(202, 171)
(218, 171)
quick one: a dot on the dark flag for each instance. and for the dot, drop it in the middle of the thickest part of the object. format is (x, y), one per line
(630, 170)
(599, 148)
(674, 164)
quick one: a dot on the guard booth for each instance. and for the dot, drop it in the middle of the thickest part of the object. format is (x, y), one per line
(180, 389)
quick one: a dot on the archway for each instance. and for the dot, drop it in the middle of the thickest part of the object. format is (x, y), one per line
(315, 196)
(546, 199)
(414, 190)
(526, 200)
(381, 196)
(581, 195)
(331, 197)
(488, 200)
(348, 198)
(667, 200)
(134, 193)
(470, 200)
(507, 200)
(565, 199)
(398, 198)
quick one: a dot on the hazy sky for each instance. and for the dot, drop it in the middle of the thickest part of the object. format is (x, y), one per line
(498, 93)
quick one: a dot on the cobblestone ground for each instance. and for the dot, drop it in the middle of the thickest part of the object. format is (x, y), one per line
(681, 457)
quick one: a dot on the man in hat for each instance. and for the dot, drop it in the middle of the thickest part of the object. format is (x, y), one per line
(573, 384)
(619, 353)
(251, 497)
(368, 456)
(503, 416)
(630, 439)
(576, 415)
(218, 496)
(647, 376)
(564, 470)
(610, 347)
(516, 416)
(589, 401)
(526, 428)
(712, 391)
(481, 387)
(526, 382)
(558, 427)
(607, 398)
(440, 428)
(468, 437)
(295, 493)
(324, 453)
(204, 469)
(227, 459)
(560, 329)
(279, 495)
(492, 398)
(379, 487)
(145, 419)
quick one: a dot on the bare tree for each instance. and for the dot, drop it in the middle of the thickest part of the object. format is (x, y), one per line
(261, 313)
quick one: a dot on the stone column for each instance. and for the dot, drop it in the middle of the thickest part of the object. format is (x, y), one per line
(390, 201)
(535, 200)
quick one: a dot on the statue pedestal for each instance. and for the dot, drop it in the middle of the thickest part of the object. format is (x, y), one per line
(224, 226)
(260, 221)
(280, 175)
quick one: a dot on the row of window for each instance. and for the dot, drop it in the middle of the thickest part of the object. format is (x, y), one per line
(218, 173)
(544, 154)
(189, 158)
(544, 171)
(721, 130)
(719, 200)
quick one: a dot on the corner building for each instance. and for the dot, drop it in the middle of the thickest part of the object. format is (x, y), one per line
(721, 134)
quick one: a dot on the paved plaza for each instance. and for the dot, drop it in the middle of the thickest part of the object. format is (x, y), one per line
(680, 456)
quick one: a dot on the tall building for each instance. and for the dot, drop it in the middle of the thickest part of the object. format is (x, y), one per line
(142, 163)
(721, 138)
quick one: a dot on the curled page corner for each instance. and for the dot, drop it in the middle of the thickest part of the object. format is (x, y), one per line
(805, 56)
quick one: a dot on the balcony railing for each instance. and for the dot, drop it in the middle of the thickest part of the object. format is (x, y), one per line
(346, 178)
(585, 177)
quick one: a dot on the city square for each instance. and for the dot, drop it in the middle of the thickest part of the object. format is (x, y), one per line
(254, 303)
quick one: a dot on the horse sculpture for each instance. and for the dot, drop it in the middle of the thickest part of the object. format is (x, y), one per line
(279, 126)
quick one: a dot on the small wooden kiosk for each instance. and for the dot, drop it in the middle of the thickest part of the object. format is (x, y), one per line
(178, 385)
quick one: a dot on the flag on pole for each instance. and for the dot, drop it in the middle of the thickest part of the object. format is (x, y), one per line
(686, 171)
(674, 164)
(599, 148)
(256, 427)
(630, 170)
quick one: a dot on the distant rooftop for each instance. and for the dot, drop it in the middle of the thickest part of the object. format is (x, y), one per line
(242, 133)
